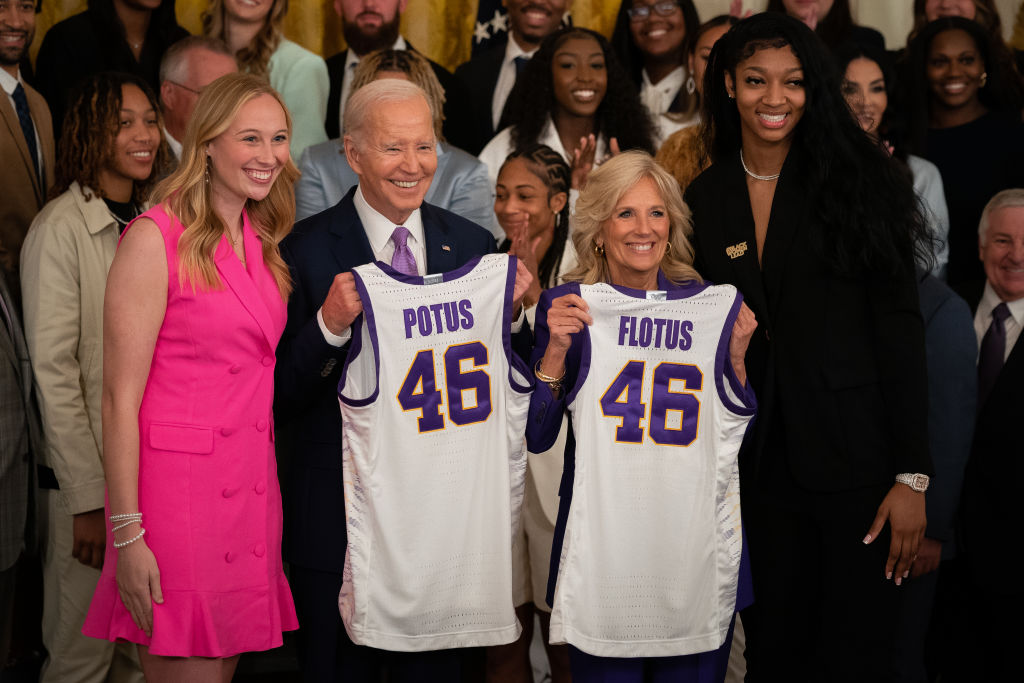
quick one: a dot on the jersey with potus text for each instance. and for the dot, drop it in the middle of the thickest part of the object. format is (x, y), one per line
(652, 541)
(434, 407)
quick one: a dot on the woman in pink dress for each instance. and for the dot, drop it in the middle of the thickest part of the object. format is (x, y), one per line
(195, 304)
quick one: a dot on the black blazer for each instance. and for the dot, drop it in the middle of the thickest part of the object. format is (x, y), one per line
(479, 77)
(458, 125)
(308, 368)
(838, 364)
(992, 514)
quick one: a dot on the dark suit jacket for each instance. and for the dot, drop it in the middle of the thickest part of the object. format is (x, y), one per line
(837, 363)
(308, 368)
(992, 513)
(479, 76)
(20, 438)
(457, 127)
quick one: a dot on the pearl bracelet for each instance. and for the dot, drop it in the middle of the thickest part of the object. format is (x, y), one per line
(122, 525)
(136, 516)
(142, 532)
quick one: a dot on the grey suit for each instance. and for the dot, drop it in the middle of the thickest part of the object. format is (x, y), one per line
(460, 184)
(20, 436)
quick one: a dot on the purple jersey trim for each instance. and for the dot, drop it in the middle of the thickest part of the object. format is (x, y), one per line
(514, 361)
(671, 289)
(367, 318)
(724, 371)
(418, 279)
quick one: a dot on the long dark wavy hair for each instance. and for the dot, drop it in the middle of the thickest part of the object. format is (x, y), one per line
(893, 127)
(89, 135)
(1003, 91)
(834, 29)
(633, 60)
(862, 200)
(549, 166)
(620, 114)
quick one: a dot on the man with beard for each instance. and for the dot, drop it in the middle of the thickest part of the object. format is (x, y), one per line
(490, 75)
(370, 25)
(26, 139)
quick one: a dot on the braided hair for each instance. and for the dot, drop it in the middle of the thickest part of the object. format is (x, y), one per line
(550, 167)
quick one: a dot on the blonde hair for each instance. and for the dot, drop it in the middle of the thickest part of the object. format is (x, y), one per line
(187, 190)
(413, 65)
(597, 201)
(255, 57)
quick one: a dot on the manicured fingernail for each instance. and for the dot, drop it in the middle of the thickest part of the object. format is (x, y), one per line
(899, 581)
(888, 575)
(867, 539)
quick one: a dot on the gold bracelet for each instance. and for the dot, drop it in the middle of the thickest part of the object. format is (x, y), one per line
(554, 382)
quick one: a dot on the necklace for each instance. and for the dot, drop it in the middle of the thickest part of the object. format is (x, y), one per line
(753, 175)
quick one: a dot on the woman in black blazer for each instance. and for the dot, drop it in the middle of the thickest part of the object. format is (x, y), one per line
(817, 227)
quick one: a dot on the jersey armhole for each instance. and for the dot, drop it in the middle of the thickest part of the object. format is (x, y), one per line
(737, 398)
(363, 323)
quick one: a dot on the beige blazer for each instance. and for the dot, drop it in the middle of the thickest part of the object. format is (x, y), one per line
(23, 196)
(64, 264)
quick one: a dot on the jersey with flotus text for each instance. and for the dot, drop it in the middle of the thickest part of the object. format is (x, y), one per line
(434, 407)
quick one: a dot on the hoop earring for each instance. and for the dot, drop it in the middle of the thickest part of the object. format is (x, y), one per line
(984, 79)
(691, 85)
(599, 249)
(668, 248)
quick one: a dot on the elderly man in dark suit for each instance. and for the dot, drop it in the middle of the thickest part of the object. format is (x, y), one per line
(26, 140)
(991, 511)
(489, 76)
(390, 144)
(370, 25)
(20, 438)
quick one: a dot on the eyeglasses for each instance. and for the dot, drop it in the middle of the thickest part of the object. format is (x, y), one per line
(185, 87)
(665, 9)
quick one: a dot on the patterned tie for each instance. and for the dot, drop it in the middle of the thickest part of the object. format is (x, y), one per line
(993, 350)
(25, 119)
(403, 261)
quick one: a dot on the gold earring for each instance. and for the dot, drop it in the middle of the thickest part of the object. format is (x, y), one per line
(984, 79)
(668, 248)
(599, 249)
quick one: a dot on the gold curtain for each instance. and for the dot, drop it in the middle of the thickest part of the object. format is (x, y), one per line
(441, 29)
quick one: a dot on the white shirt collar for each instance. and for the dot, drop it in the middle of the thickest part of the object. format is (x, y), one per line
(512, 50)
(351, 58)
(658, 98)
(173, 144)
(378, 229)
(989, 300)
(9, 82)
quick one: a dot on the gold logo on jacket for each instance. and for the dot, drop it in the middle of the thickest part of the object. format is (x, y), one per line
(736, 250)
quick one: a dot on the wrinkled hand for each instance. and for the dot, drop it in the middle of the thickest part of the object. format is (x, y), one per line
(525, 249)
(904, 509)
(567, 316)
(342, 304)
(138, 582)
(523, 281)
(929, 555)
(583, 161)
(742, 331)
(89, 533)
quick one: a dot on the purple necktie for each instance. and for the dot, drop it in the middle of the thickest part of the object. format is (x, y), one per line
(403, 261)
(992, 352)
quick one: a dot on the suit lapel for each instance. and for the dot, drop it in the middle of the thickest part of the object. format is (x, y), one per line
(787, 216)
(10, 118)
(738, 242)
(234, 274)
(441, 249)
(350, 246)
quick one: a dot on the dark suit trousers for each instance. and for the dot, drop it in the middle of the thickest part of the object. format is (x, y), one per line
(822, 609)
(327, 655)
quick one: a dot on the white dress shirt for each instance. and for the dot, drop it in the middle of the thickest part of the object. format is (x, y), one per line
(351, 60)
(173, 144)
(1012, 325)
(658, 97)
(9, 83)
(506, 78)
(378, 231)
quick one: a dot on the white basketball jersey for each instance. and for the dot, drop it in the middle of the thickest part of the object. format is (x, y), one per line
(434, 405)
(652, 542)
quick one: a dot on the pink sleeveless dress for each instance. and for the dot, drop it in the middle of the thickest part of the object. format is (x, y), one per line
(208, 488)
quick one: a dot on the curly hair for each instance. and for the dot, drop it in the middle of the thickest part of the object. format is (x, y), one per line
(861, 199)
(186, 192)
(604, 189)
(987, 14)
(684, 105)
(255, 57)
(1003, 91)
(89, 135)
(413, 65)
(532, 101)
(549, 166)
